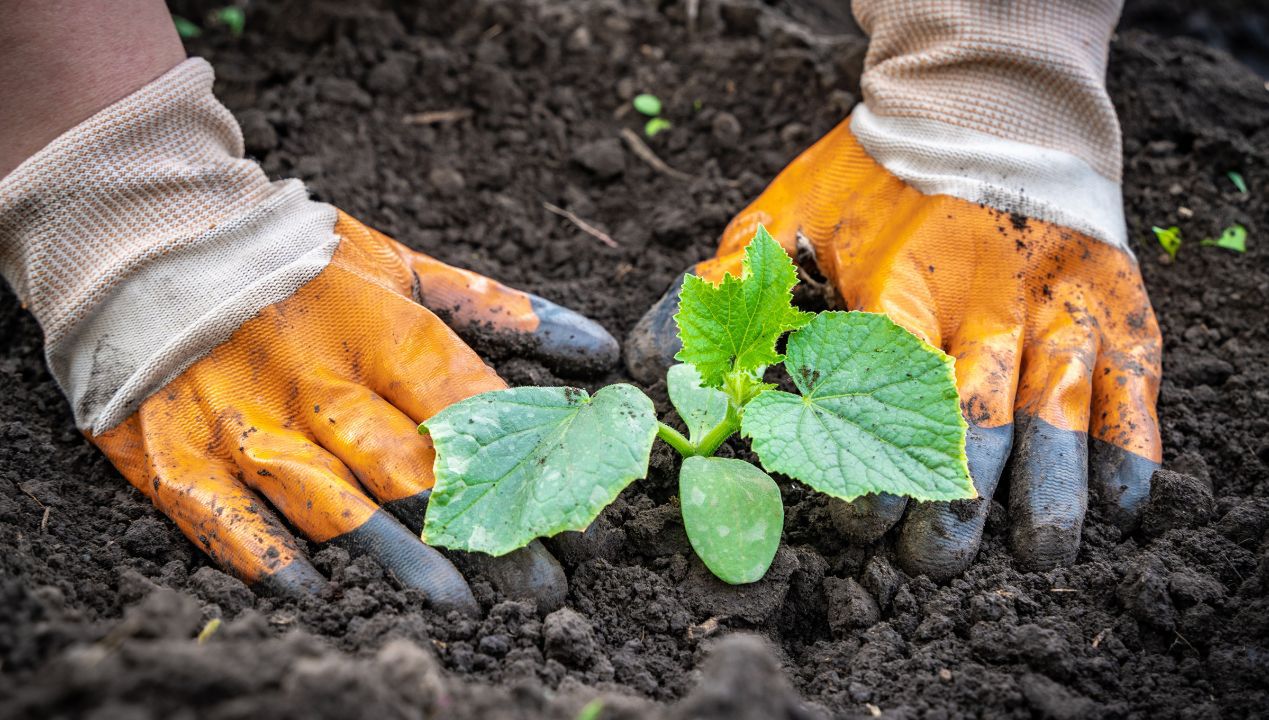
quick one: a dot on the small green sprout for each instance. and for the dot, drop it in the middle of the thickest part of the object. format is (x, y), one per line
(208, 630)
(646, 104)
(650, 105)
(1169, 238)
(876, 411)
(186, 28)
(1237, 178)
(1233, 238)
(231, 17)
(591, 710)
(656, 125)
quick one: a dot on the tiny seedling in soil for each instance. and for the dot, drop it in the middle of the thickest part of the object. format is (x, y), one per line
(186, 28)
(650, 105)
(1237, 179)
(1169, 238)
(876, 412)
(1233, 238)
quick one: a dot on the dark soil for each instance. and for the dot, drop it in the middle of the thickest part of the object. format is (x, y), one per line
(101, 597)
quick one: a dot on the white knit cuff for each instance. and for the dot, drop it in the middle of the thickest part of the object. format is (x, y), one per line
(141, 239)
(999, 103)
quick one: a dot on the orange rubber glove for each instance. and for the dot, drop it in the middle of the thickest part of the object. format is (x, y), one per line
(974, 197)
(312, 407)
(1052, 332)
(237, 349)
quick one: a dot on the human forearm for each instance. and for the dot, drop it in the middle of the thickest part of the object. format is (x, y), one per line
(63, 60)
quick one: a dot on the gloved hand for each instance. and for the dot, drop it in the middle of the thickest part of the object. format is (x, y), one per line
(255, 362)
(939, 225)
(313, 404)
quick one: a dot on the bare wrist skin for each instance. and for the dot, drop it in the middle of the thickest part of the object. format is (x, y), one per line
(61, 61)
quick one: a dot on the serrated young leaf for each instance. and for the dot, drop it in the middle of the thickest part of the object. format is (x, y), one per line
(701, 408)
(735, 325)
(733, 515)
(879, 412)
(514, 465)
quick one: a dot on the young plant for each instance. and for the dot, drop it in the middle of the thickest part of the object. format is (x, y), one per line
(650, 106)
(876, 411)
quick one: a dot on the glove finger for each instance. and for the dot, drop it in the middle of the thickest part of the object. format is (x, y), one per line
(491, 315)
(654, 341)
(427, 369)
(378, 443)
(940, 539)
(530, 574)
(1125, 448)
(320, 497)
(214, 509)
(1048, 493)
(867, 518)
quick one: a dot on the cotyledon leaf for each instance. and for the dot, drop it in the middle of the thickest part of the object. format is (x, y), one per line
(514, 465)
(879, 412)
(701, 408)
(733, 515)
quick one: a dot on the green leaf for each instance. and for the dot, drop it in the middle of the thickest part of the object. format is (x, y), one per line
(186, 28)
(656, 125)
(646, 104)
(701, 408)
(733, 515)
(233, 18)
(514, 465)
(879, 412)
(591, 710)
(1237, 179)
(735, 325)
(1233, 238)
(1169, 238)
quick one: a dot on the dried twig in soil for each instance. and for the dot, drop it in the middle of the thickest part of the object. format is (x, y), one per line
(581, 224)
(43, 520)
(640, 148)
(437, 117)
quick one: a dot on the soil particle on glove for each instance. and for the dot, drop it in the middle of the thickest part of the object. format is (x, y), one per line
(103, 597)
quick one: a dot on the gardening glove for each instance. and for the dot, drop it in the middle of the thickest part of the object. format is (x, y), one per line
(252, 361)
(974, 197)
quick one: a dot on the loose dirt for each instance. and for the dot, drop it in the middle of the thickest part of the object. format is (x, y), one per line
(102, 596)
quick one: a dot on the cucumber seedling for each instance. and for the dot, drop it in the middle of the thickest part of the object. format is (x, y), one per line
(876, 411)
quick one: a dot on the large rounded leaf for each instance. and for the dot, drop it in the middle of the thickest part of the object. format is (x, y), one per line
(878, 413)
(514, 465)
(733, 515)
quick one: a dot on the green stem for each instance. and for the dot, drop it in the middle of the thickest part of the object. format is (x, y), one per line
(716, 437)
(675, 439)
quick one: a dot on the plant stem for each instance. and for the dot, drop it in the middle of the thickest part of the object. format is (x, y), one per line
(716, 437)
(675, 439)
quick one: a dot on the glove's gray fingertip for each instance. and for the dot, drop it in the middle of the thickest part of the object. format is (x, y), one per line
(1048, 495)
(531, 574)
(296, 580)
(654, 341)
(411, 511)
(940, 539)
(570, 341)
(1119, 482)
(867, 518)
(1045, 547)
(413, 563)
